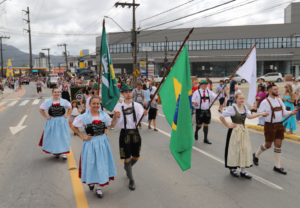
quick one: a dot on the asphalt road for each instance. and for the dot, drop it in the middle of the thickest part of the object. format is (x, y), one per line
(31, 178)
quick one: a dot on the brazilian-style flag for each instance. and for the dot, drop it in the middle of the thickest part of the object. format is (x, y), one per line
(110, 91)
(176, 94)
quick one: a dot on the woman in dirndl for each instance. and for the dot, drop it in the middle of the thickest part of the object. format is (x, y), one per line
(56, 136)
(96, 166)
(238, 152)
(64, 89)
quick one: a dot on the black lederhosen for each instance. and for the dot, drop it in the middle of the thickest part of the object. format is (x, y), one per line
(130, 140)
(203, 116)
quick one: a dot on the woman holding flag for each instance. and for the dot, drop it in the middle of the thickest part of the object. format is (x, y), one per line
(238, 153)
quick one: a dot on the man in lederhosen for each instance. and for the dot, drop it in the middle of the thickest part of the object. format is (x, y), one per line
(273, 128)
(128, 114)
(202, 99)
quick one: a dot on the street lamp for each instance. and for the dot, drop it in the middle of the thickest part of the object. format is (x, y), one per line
(114, 22)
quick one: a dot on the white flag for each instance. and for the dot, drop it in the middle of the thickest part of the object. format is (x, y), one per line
(248, 72)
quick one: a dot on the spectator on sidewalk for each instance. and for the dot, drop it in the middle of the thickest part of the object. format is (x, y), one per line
(147, 93)
(296, 90)
(288, 100)
(222, 95)
(260, 96)
(138, 95)
(233, 84)
(237, 90)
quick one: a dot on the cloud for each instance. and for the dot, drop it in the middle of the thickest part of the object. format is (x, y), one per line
(85, 17)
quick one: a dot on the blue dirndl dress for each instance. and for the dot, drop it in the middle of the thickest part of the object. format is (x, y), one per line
(291, 122)
(97, 164)
(56, 137)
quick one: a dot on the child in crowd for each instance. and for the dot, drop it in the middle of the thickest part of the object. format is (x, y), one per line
(75, 112)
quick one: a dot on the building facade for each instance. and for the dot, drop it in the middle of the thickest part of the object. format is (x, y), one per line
(42, 61)
(216, 51)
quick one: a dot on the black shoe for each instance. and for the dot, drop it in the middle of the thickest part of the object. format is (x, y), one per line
(99, 195)
(243, 175)
(255, 159)
(91, 188)
(235, 174)
(131, 185)
(196, 136)
(280, 170)
(220, 111)
(56, 156)
(207, 141)
(75, 134)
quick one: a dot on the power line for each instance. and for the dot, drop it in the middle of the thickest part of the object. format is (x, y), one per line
(40, 11)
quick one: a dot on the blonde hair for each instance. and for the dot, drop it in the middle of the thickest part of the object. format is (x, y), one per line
(237, 95)
(289, 86)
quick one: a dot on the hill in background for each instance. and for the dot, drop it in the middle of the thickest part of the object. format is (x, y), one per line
(18, 58)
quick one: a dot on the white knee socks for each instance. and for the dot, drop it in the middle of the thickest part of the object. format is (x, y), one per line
(277, 157)
(260, 150)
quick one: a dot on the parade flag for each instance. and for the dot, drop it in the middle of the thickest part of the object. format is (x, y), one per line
(248, 72)
(175, 94)
(110, 91)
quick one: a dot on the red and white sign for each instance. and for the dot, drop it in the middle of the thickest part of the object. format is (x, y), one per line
(203, 67)
(271, 66)
(124, 71)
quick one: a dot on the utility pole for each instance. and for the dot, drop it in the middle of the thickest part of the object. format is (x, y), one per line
(66, 55)
(29, 32)
(1, 37)
(48, 49)
(134, 35)
(166, 54)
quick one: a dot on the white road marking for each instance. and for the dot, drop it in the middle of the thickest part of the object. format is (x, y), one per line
(35, 102)
(268, 183)
(19, 127)
(24, 102)
(2, 103)
(12, 103)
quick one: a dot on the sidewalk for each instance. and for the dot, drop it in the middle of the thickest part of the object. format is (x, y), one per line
(252, 123)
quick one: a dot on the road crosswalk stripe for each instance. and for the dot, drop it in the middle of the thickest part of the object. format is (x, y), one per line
(12, 103)
(35, 102)
(2, 103)
(24, 102)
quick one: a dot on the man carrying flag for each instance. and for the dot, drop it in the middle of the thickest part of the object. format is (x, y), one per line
(175, 93)
(110, 91)
(128, 114)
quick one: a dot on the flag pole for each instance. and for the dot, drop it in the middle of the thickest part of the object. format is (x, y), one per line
(289, 116)
(233, 74)
(100, 69)
(167, 72)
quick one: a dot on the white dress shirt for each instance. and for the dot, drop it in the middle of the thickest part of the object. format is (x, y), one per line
(265, 107)
(130, 124)
(204, 105)
(43, 106)
(231, 112)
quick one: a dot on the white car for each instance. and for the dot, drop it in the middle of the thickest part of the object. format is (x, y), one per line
(237, 78)
(157, 78)
(276, 77)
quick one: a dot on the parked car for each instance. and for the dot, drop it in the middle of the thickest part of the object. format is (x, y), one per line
(52, 82)
(157, 78)
(25, 81)
(276, 77)
(237, 78)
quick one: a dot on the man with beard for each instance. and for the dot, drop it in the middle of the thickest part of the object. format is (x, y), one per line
(273, 128)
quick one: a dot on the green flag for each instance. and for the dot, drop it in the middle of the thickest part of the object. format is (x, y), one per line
(176, 94)
(110, 90)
